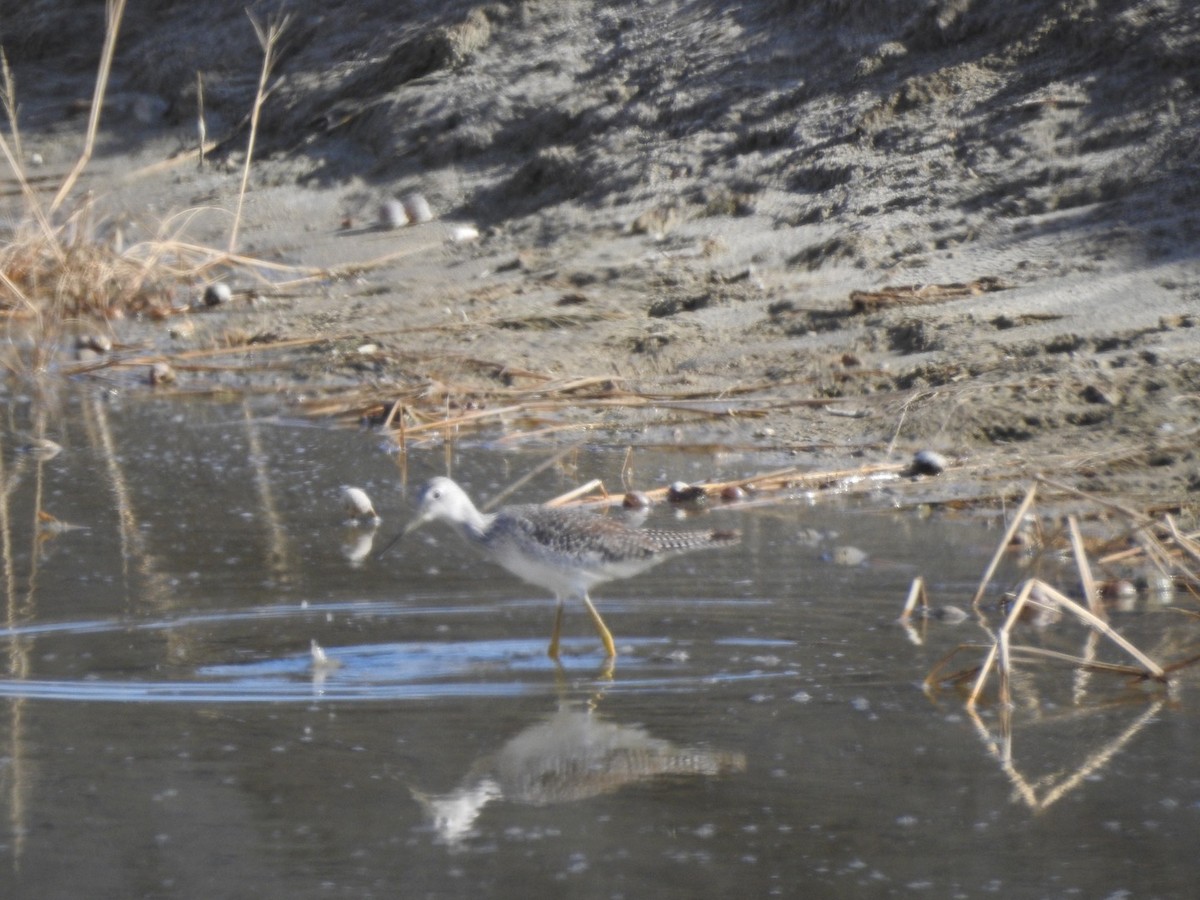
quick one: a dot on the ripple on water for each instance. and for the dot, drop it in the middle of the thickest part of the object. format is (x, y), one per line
(416, 670)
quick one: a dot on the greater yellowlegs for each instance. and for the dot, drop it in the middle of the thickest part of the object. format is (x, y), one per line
(562, 549)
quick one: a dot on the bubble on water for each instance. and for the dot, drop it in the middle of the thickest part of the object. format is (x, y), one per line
(577, 864)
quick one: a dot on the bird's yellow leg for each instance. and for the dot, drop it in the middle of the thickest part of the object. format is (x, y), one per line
(605, 635)
(552, 650)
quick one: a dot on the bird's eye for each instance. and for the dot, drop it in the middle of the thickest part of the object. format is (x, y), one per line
(436, 495)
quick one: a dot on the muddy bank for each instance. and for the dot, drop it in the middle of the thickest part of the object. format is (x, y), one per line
(965, 226)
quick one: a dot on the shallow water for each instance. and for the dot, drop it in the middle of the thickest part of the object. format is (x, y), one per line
(163, 730)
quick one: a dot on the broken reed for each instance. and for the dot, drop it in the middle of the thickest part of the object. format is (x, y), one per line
(1161, 543)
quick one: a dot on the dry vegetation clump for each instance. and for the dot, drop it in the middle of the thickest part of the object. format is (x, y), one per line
(56, 266)
(1156, 544)
(59, 275)
(1050, 673)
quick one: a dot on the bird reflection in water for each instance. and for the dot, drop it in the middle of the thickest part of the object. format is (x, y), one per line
(572, 755)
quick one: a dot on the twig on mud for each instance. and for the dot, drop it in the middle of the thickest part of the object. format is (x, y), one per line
(900, 422)
(1135, 515)
(354, 269)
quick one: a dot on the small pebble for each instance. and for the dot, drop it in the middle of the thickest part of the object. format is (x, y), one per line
(1117, 589)
(99, 343)
(951, 615)
(217, 293)
(416, 207)
(679, 492)
(42, 448)
(847, 556)
(635, 500)
(928, 462)
(161, 373)
(1102, 395)
(392, 214)
(732, 493)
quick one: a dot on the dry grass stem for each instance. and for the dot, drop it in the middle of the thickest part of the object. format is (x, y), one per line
(1004, 667)
(916, 594)
(1002, 548)
(537, 470)
(1086, 582)
(201, 125)
(1135, 515)
(1094, 621)
(9, 100)
(989, 661)
(1186, 542)
(114, 10)
(268, 36)
(575, 493)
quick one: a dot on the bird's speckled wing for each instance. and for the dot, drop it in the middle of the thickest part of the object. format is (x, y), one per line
(578, 533)
(574, 532)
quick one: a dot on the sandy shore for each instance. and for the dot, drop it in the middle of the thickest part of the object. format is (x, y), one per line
(852, 230)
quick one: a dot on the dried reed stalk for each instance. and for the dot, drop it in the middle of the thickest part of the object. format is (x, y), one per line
(541, 467)
(1086, 582)
(1002, 547)
(576, 493)
(1088, 617)
(114, 11)
(9, 100)
(916, 594)
(268, 36)
(990, 659)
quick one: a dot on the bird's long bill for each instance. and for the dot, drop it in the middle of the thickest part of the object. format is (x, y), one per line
(410, 527)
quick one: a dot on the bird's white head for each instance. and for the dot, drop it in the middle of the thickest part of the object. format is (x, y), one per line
(443, 500)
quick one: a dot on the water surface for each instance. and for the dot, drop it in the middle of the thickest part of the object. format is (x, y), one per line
(164, 732)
